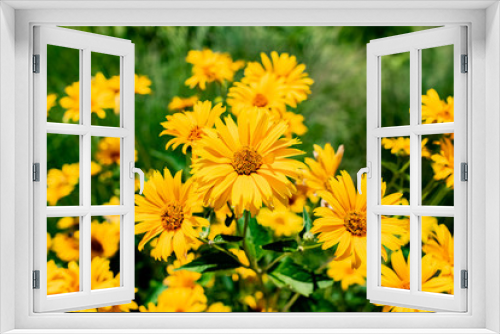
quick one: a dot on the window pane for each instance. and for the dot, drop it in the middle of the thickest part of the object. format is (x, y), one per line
(437, 85)
(105, 89)
(438, 169)
(437, 254)
(63, 86)
(395, 99)
(395, 238)
(63, 255)
(63, 169)
(105, 171)
(395, 170)
(105, 252)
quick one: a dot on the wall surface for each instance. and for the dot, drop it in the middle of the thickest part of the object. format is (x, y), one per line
(7, 160)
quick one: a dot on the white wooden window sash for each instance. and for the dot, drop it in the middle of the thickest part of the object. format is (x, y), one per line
(85, 43)
(414, 43)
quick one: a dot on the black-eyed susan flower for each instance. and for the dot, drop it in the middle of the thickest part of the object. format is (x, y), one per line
(246, 164)
(62, 182)
(283, 66)
(181, 278)
(324, 166)
(443, 163)
(283, 222)
(189, 127)
(343, 272)
(435, 110)
(167, 211)
(343, 221)
(182, 103)
(210, 66)
(266, 94)
(178, 300)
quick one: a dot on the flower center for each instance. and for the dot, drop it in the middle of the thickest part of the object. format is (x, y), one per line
(195, 133)
(172, 216)
(96, 247)
(246, 161)
(260, 100)
(355, 223)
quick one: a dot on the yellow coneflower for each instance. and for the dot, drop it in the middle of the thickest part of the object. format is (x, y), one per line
(435, 110)
(247, 164)
(181, 104)
(282, 221)
(178, 300)
(444, 163)
(166, 210)
(189, 127)
(324, 166)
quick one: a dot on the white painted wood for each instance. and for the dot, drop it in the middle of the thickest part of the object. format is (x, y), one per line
(413, 43)
(86, 43)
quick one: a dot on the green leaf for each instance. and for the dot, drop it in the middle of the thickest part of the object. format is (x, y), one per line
(224, 238)
(288, 245)
(256, 236)
(297, 278)
(307, 223)
(211, 261)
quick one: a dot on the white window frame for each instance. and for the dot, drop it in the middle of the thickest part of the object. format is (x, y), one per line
(483, 21)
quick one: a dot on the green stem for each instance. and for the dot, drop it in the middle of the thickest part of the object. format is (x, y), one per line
(290, 303)
(276, 260)
(436, 200)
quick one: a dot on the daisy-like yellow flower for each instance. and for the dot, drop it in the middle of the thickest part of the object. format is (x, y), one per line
(342, 271)
(399, 276)
(242, 271)
(108, 151)
(142, 84)
(268, 94)
(295, 124)
(101, 96)
(246, 164)
(51, 102)
(181, 278)
(218, 307)
(189, 127)
(62, 280)
(440, 245)
(435, 110)
(343, 221)
(179, 300)
(104, 239)
(62, 182)
(101, 277)
(210, 66)
(166, 210)
(257, 302)
(71, 103)
(67, 222)
(284, 67)
(401, 146)
(444, 163)
(283, 222)
(219, 227)
(67, 246)
(298, 200)
(181, 104)
(95, 168)
(324, 166)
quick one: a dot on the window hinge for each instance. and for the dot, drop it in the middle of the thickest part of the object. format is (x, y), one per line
(464, 171)
(465, 279)
(465, 64)
(36, 279)
(36, 63)
(36, 172)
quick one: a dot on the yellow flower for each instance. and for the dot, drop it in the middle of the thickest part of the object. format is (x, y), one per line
(209, 66)
(429, 225)
(389, 308)
(51, 102)
(61, 182)
(257, 302)
(267, 94)
(105, 239)
(62, 280)
(246, 164)
(166, 209)
(343, 222)
(399, 276)
(49, 242)
(178, 300)
(242, 257)
(67, 246)
(435, 110)
(444, 163)
(181, 278)
(181, 104)
(100, 275)
(189, 127)
(67, 222)
(219, 227)
(218, 307)
(342, 271)
(440, 246)
(101, 96)
(282, 222)
(119, 308)
(298, 200)
(71, 103)
(108, 151)
(324, 166)
(284, 67)
(95, 168)
(295, 124)
(401, 146)
(142, 84)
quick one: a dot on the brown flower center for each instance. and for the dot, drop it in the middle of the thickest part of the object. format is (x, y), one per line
(260, 100)
(97, 249)
(355, 223)
(246, 161)
(172, 216)
(195, 133)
